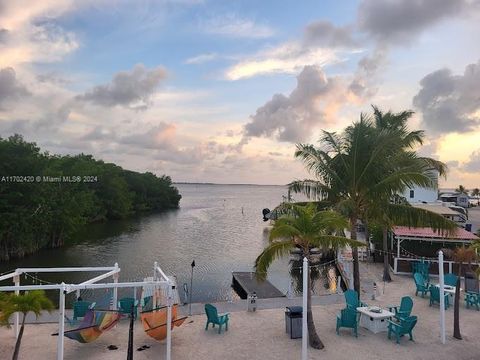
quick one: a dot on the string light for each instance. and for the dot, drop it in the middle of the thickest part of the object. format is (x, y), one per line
(37, 280)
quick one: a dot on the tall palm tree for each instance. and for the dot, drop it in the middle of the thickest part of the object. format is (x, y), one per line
(461, 189)
(304, 228)
(460, 255)
(32, 301)
(367, 162)
(388, 213)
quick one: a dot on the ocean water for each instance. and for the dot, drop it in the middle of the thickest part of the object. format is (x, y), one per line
(218, 226)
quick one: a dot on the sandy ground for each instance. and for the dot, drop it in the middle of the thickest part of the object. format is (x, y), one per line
(261, 335)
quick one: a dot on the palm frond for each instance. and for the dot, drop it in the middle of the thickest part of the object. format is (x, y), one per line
(273, 251)
(334, 242)
(407, 215)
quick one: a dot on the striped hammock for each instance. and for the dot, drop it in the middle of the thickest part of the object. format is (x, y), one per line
(93, 325)
(155, 322)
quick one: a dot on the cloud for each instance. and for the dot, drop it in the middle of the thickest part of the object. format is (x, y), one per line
(3, 35)
(231, 25)
(156, 138)
(10, 88)
(292, 118)
(29, 34)
(202, 58)
(400, 21)
(325, 34)
(472, 165)
(128, 88)
(365, 79)
(450, 103)
(288, 58)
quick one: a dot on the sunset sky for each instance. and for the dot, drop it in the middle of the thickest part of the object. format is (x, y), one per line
(220, 91)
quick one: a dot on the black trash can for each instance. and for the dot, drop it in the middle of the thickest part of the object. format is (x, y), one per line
(293, 321)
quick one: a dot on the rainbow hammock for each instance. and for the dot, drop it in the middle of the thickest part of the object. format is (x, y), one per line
(155, 322)
(93, 325)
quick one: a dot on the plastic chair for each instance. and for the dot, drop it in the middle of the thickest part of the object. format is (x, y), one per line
(421, 285)
(405, 326)
(435, 296)
(216, 319)
(80, 308)
(125, 306)
(450, 279)
(352, 300)
(472, 299)
(348, 318)
(404, 310)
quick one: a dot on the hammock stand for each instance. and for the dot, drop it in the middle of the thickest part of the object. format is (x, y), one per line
(158, 281)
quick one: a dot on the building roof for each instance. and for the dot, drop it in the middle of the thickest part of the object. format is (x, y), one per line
(436, 208)
(428, 233)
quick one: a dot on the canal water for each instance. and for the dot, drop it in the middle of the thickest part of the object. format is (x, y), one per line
(218, 226)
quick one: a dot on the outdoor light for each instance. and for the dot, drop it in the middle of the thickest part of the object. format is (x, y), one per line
(191, 290)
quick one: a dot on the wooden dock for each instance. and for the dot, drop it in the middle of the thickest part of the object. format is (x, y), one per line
(247, 283)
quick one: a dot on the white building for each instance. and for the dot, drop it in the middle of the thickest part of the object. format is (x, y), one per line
(419, 195)
(459, 199)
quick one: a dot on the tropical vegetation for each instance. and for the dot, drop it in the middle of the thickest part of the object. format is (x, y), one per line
(304, 227)
(361, 170)
(461, 255)
(45, 198)
(32, 301)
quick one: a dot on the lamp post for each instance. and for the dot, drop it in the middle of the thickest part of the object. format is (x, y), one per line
(191, 290)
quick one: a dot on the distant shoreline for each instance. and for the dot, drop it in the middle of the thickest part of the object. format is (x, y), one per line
(209, 183)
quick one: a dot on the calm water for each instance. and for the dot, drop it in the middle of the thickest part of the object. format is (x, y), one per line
(218, 226)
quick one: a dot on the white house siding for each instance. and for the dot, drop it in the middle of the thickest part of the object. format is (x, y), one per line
(417, 194)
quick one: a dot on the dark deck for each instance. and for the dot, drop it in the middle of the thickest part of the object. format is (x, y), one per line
(248, 283)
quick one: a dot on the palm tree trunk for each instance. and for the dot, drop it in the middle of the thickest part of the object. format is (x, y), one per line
(19, 339)
(386, 265)
(313, 338)
(456, 306)
(356, 270)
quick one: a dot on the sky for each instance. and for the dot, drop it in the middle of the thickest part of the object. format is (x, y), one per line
(221, 91)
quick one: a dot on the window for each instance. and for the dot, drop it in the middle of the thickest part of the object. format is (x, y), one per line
(412, 194)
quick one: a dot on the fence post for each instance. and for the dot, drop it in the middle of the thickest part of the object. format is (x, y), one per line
(61, 322)
(16, 280)
(169, 320)
(304, 310)
(115, 290)
(442, 296)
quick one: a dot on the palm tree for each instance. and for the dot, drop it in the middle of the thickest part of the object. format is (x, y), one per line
(461, 189)
(32, 301)
(388, 213)
(476, 193)
(460, 255)
(368, 162)
(304, 228)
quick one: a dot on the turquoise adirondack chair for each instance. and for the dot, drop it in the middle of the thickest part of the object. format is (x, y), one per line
(125, 306)
(450, 279)
(405, 326)
(435, 296)
(216, 319)
(421, 267)
(421, 284)
(352, 300)
(80, 308)
(472, 299)
(348, 318)
(404, 310)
